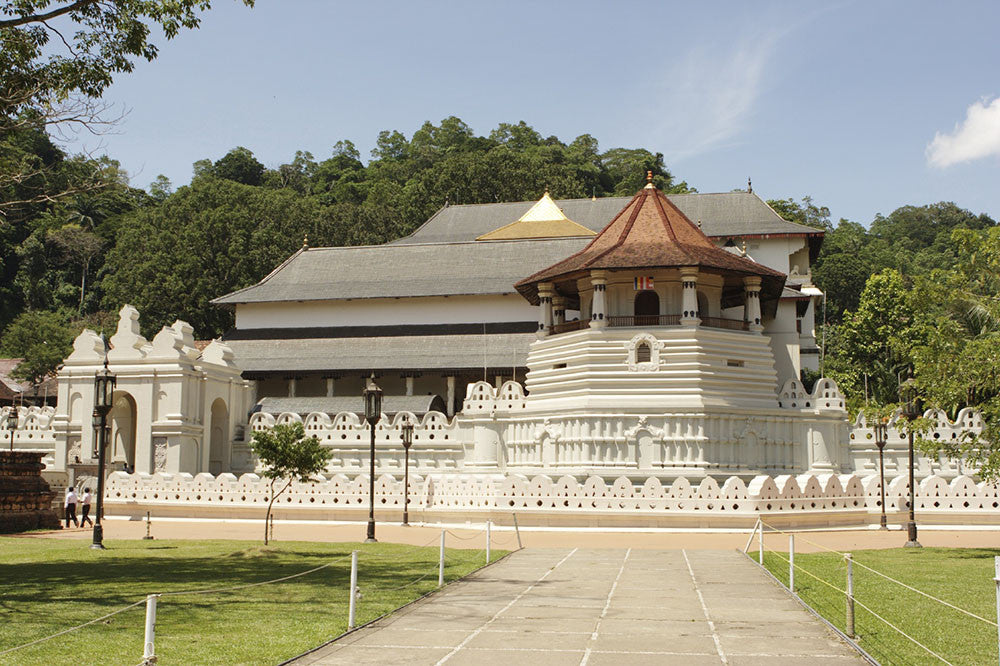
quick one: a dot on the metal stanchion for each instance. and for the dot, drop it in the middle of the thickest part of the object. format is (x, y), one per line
(149, 648)
(148, 536)
(791, 563)
(850, 595)
(441, 562)
(354, 589)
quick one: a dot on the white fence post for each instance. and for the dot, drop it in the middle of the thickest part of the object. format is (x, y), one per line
(850, 595)
(996, 579)
(149, 647)
(441, 562)
(489, 525)
(353, 591)
(760, 544)
(791, 562)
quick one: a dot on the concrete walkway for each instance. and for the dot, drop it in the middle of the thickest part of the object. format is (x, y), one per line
(576, 606)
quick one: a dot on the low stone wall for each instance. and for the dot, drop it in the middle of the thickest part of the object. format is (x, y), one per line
(790, 501)
(25, 497)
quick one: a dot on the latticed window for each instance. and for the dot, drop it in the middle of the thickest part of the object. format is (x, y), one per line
(643, 353)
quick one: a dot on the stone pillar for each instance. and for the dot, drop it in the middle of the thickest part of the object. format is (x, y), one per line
(330, 386)
(291, 387)
(559, 309)
(545, 294)
(599, 307)
(409, 384)
(689, 296)
(752, 307)
(451, 395)
(497, 381)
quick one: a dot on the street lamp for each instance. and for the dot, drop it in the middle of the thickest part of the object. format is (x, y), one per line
(12, 424)
(911, 410)
(880, 438)
(373, 412)
(407, 436)
(104, 389)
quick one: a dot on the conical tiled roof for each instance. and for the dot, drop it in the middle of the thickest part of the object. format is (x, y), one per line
(651, 232)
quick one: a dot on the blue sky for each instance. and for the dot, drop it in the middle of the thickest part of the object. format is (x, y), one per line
(865, 106)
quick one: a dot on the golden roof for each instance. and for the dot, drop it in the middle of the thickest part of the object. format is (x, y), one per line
(543, 220)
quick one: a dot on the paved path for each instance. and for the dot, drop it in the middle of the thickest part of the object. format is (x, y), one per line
(593, 607)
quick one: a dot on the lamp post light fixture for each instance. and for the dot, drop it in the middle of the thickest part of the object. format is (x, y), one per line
(12, 424)
(880, 440)
(911, 410)
(373, 412)
(104, 389)
(406, 432)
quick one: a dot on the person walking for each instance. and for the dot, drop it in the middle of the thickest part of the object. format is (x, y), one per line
(85, 515)
(70, 506)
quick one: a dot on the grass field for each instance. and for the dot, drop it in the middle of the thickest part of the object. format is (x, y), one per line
(960, 576)
(50, 585)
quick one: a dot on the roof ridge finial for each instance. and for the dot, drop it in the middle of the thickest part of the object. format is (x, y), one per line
(749, 186)
(743, 248)
(649, 180)
(305, 240)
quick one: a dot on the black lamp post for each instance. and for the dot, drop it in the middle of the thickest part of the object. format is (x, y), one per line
(880, 438)
(12, 424)
(373, 412)
(104, 389)
(911, 410)
(407, 435)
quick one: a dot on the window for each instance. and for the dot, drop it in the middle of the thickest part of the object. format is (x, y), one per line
(643, 354)
(646, 308)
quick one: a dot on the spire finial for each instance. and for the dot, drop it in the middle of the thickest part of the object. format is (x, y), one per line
(649, 180)
(749, 186)
(305, 240)
(699, 223)
(743, 248)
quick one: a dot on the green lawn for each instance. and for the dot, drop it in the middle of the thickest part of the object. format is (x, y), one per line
(960, 576)
(50, 585)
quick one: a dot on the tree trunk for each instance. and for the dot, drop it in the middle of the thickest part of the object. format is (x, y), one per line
(274, 496)
(83, 286)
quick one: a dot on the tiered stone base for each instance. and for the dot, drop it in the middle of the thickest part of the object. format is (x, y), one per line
(25, 497)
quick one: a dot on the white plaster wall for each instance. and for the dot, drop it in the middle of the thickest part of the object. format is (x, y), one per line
(386, 312)
(784, 341)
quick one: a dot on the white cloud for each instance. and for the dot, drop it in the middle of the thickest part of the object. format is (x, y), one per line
(708, 95)
(977, 137)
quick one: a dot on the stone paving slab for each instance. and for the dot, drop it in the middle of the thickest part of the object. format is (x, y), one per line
(589, 607)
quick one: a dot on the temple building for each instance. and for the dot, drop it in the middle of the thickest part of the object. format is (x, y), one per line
(651, 336)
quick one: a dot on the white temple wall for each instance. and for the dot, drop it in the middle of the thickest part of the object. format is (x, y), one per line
(386, 311)
(784, 338)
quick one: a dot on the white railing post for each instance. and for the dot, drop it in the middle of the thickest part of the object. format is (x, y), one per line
(441, 562)
(996, 579)
(149, 642)
(489, 525)
(791, 562)
(760, 544)
(753, 533)
(353, 590)
(850, 595)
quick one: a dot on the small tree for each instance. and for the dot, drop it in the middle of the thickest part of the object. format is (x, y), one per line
(286, 453)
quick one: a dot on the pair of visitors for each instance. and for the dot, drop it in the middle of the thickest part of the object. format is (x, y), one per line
(70, 506)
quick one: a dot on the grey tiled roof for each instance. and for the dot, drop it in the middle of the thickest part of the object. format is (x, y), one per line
(416, 404)
(722, 214)
(386, 271)
(418, 352)
(443, 258)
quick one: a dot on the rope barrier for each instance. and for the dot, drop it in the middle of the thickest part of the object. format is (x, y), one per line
(890, 578)
(468, 538)
(220, 590)
(79, 626)
(855, 599)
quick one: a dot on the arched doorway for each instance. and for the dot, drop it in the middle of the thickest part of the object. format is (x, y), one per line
(218, 438)
(647, 308)
(123, 422)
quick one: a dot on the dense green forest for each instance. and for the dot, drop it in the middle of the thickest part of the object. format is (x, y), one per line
(915, 291)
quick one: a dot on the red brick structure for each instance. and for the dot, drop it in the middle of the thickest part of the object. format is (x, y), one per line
(25, 497)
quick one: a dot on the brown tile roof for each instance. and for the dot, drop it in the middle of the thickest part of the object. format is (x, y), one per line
(651, 232)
